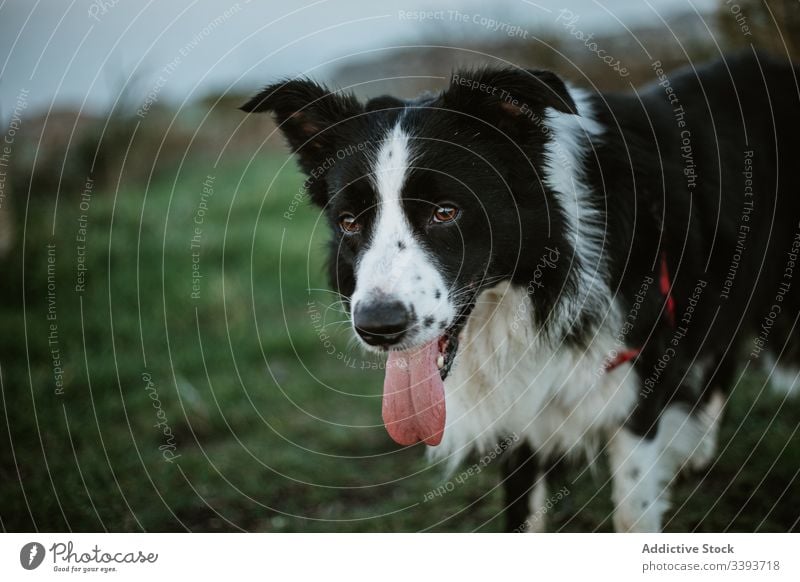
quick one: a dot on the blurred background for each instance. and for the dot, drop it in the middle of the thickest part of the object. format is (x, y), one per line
(169, 357)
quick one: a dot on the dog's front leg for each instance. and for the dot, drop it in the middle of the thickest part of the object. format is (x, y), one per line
(639, 480)
(523, 485)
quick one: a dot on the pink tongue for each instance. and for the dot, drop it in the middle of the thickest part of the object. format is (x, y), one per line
(413, 396)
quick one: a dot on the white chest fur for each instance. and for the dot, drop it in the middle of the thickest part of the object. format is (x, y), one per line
(509, 380)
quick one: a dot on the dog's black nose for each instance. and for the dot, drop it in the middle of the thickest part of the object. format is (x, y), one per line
(381, 323)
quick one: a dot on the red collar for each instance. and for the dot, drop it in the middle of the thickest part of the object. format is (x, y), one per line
(665, 286)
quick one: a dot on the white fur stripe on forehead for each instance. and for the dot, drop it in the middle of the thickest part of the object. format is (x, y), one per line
(391, 164)
(380, 266)
(393, 265)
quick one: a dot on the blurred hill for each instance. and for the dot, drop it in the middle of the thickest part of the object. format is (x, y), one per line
(677, 40)
(56, 151)
(427, 65)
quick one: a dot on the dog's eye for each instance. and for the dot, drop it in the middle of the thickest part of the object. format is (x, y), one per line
(348, 224)
(444, 214)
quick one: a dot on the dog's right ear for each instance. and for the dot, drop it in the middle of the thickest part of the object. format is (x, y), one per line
(307, 114)
(512, 99)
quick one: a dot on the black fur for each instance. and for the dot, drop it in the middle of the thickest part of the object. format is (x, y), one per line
(744, 103)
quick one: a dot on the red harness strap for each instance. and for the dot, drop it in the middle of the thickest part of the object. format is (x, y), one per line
(621, 358)
(664, 285)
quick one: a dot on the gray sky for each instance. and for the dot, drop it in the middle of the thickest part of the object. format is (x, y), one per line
(83, 52)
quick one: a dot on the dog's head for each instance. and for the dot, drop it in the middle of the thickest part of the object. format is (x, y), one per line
(430, 201)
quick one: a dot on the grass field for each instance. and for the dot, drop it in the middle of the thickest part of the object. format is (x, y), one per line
(246, 406)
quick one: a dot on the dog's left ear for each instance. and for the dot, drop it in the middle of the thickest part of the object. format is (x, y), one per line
(307, 114)
(507, 97)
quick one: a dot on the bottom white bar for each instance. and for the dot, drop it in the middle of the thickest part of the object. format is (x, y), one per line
(389, 557)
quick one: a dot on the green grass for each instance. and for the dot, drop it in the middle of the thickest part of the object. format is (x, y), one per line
(273, 433)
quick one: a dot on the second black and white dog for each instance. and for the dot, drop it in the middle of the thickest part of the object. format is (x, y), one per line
(584, 271)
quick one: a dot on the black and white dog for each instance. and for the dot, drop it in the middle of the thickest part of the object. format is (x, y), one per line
(585, 271)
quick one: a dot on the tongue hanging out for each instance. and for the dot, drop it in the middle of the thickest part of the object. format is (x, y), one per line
(413, 395)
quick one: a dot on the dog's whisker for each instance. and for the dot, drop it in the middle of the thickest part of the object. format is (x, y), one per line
(344, 322)
(331, 291)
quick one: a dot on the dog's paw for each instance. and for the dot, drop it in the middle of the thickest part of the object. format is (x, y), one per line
(536, 523)
(710, 417)
(639, 514)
